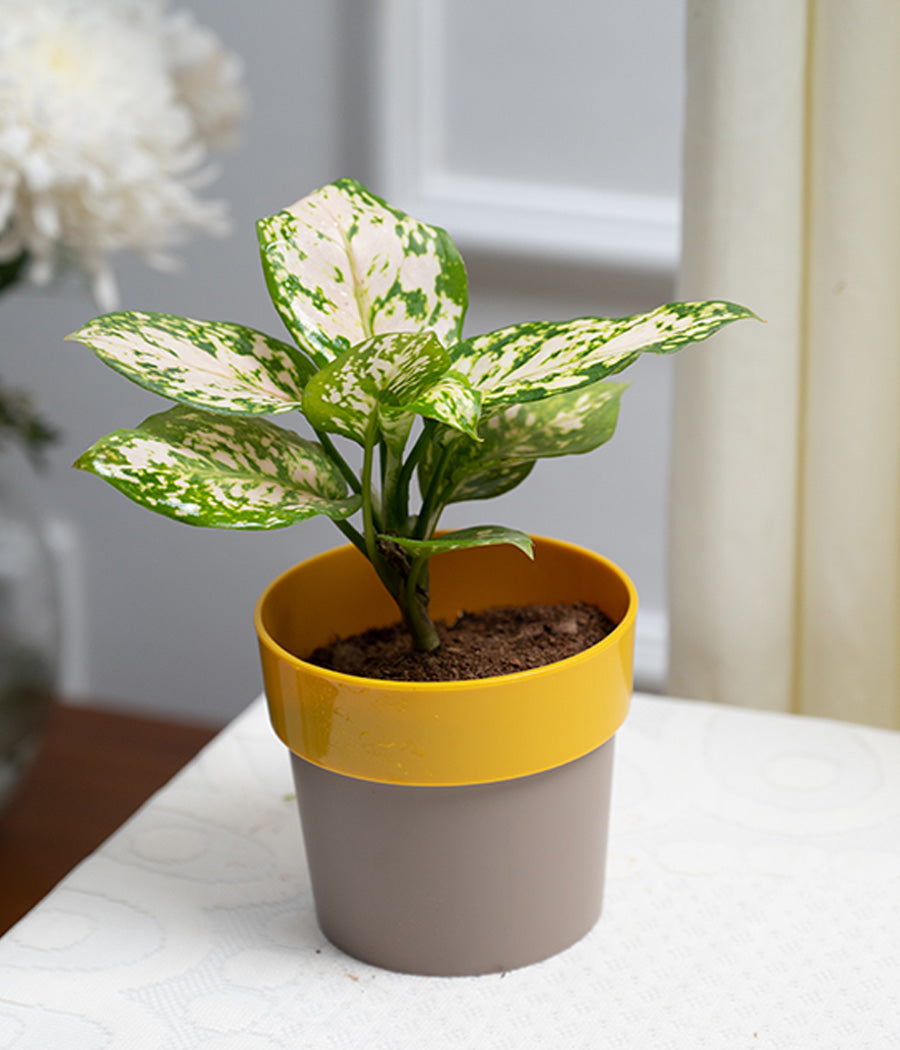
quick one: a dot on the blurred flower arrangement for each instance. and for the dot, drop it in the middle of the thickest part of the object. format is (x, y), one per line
(108, 110)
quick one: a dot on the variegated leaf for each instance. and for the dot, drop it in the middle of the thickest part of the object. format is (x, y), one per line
(513, 438)
(206, 469)
(527, 362)
(461, 539)
(452, 401)
(215, 365)
(342, 266)
(486, 484)
(391, 377)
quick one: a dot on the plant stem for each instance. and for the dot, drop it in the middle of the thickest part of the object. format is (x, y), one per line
(400, 503)
(372, 551)
(391, 468)
(411, 599)
(427, 519)
(342, 465)
(353, 535)
(416, 615)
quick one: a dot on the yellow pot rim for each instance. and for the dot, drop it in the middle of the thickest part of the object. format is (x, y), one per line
(626, 623)
(457, 732)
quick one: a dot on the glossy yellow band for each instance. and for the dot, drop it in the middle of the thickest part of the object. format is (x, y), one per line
(444, 733)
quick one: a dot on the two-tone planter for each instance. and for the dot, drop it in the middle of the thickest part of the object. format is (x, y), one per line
(450, 827)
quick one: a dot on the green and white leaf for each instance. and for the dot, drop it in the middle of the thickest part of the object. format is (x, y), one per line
(390, 378)
(486, 483)
(215, 365)
(527, 362)
(514, 438)
(461, 539)
(207, 469)
(342, 266)
(452, 401)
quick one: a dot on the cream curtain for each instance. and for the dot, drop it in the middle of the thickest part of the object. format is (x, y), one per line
(785, 502)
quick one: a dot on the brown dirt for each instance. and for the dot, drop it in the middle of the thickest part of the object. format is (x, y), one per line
(475, 645)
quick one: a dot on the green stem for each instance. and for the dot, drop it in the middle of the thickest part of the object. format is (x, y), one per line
(389, 575)
(353, 535)
(382, 459)
(372, 552)
(415, 576)
(411, 600)
(434, 517)
(416, 615)
(427, 518)
(390, 474)
(401, 493)
(377, 513)
(339, 461)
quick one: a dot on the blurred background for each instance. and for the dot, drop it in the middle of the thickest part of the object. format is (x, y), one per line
(548, 146)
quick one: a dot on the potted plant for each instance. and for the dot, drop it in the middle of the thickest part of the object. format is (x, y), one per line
(451, 826)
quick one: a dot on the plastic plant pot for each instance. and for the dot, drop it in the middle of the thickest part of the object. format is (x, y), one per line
(460, 827)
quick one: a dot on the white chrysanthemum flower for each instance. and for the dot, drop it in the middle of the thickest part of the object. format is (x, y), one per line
(107, 108)
(207, 79)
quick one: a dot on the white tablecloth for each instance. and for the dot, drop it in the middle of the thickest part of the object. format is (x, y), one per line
(753, 901)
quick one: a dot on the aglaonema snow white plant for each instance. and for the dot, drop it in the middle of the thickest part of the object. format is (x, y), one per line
(374, 302)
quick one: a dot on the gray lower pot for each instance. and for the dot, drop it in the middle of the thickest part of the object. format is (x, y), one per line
(457, 880)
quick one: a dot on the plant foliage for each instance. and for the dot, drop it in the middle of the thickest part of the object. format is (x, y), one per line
(374, 302)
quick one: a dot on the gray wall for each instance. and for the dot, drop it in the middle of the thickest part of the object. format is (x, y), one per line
(166, 610)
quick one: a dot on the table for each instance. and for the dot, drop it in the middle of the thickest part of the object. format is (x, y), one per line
(95, 767)
(753, 901)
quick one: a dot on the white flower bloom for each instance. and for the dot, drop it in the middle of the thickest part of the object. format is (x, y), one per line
(207, 79)
(107, 108)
